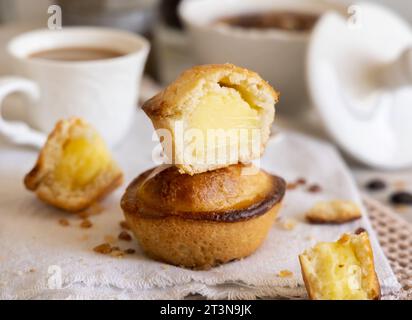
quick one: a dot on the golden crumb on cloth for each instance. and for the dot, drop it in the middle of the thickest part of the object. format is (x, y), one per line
(104, 248)
(125, 236)
(285, 274)
(86, 224)
(335, 211)
(341, 270)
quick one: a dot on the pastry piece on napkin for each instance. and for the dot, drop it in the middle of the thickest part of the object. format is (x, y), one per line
(75, 168)
(341, 270)
(335, 211)
(213, 116)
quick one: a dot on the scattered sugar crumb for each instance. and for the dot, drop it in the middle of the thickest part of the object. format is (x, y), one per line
(125, 236)
(117, 253)
(314, 188)
(103, 248)
(291, 186)
(285, 274)
(86, 224)
(64, 222)
(130, 251)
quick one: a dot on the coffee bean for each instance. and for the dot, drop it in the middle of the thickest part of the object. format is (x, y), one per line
(401, 197)
(375, 185)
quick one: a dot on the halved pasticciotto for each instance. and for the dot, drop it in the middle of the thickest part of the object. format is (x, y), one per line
(213, 116)
(341, 270)
(75, 168)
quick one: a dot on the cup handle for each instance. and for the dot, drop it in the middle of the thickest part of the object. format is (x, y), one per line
(19, 132)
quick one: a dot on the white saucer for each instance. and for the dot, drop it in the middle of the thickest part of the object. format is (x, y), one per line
(362, 115)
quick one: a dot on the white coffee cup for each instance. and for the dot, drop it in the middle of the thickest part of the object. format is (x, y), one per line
(277, 55)
(103, 92)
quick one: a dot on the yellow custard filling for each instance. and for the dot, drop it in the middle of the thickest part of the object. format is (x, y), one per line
(82, 160)
(338, 271)
(224, 109)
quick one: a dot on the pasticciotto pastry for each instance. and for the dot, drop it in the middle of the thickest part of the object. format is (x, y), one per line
(203, 220)
(212, 116)
(342, 270)
(74, 168)
(334, 212)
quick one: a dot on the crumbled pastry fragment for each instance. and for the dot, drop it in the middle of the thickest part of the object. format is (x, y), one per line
(86, 224)
(291, 186)
(285, 274)
(125, 236)
(117, 253)
(314, 188)
(341, 270)
(104, 248)
(335, 211)
(130, 251)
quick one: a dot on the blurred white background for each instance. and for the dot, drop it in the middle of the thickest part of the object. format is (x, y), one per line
(12, 10)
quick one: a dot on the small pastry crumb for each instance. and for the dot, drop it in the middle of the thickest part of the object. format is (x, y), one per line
(124, 235)
(285, 274)
(301, 181)
(291, 186)
(288, 224)
(296, 184)
(314, 188)
(64, 222)
(86, 224)
(129, 251)
(32, 270)
(103, 248)
(124, 225)
(335, 211)
(117, 253)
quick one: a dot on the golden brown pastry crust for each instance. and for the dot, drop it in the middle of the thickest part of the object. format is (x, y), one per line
(203, 220)
(39, 180)
(364, 253)
(333, 212)
(220, 195)
(177, 101)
